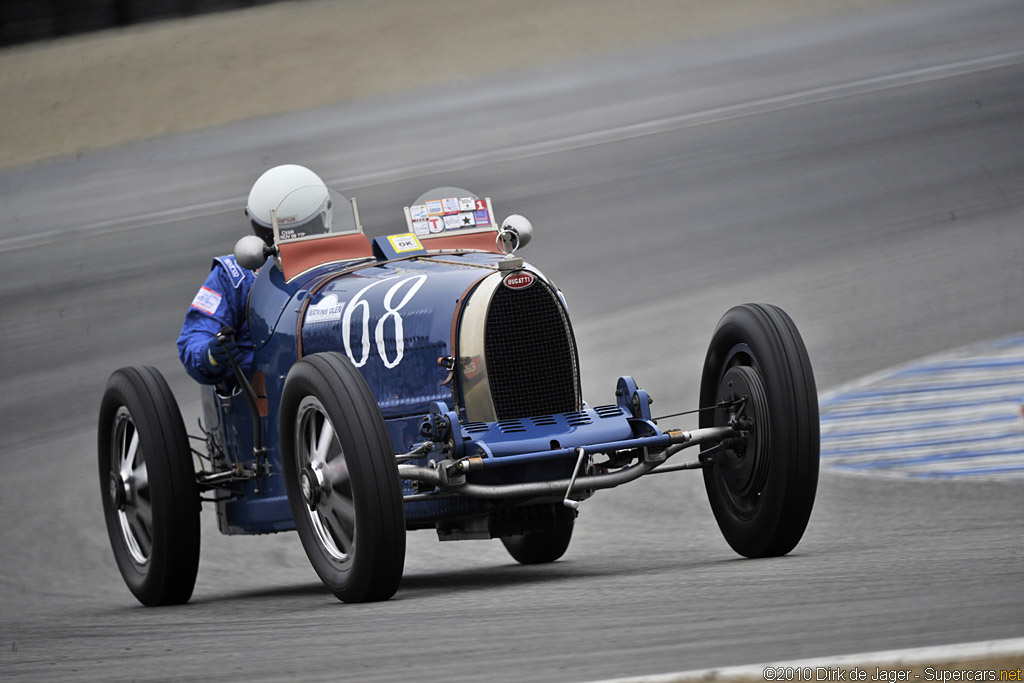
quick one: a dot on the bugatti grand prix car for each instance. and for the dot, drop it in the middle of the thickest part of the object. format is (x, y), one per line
(430, 380)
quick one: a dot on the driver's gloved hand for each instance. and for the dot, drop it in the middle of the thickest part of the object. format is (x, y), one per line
(216, 359)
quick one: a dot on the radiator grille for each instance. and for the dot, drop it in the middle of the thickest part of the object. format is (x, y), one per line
(531, 353)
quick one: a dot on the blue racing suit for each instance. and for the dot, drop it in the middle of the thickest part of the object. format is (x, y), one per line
(220, 301)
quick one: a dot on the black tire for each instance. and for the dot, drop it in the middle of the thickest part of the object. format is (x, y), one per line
(539, 547)
(762, 488)
(148, 484)
(344, 490)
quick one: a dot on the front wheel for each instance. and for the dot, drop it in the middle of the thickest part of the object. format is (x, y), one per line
(147, 480)
(342, 479)
(762, 485)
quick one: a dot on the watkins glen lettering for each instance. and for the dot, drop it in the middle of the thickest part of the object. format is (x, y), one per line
(519, 280)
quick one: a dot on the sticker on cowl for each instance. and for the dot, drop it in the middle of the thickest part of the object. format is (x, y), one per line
(418, 212)
(328, 310)
(405, 242)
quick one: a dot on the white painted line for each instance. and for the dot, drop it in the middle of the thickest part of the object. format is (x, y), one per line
(566, 143)
(945, 656)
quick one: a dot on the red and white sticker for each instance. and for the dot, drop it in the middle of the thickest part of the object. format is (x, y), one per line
(470, 366)
(519, 280)
(450, 204)
(207, 301)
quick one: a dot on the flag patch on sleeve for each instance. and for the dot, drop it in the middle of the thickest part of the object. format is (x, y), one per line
(207, 301)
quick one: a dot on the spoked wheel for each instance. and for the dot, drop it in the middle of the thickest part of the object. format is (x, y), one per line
(761, 485)
(539, 547)
(342, 479)
(150, 496)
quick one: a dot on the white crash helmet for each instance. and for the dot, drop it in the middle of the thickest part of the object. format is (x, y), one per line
(300, 198)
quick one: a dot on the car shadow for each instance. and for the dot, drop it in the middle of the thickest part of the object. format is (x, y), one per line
(428, 583)
(424, 584)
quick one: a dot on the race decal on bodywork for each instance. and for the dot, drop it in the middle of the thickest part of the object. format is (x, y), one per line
(449, 213)
(363, 327)
(405, 242)
(207, 301)
(329, 309)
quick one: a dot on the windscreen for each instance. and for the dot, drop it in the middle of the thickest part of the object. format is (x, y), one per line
(446, 209)
(308, 212)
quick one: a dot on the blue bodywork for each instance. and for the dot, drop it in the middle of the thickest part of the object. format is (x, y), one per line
(396, 317)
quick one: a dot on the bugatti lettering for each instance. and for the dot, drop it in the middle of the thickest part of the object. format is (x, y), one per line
(519, 280)
(391, 313)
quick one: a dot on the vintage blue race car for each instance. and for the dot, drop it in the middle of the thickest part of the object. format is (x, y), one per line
(430, 380)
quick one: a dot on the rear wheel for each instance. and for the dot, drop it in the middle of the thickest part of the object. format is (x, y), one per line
(148, 485)
(342, 479)
(761, 486)
(539, 547)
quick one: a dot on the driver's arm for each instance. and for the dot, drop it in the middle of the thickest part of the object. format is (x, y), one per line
(219, 302)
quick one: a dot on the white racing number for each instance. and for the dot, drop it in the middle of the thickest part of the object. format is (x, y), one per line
(391, 312)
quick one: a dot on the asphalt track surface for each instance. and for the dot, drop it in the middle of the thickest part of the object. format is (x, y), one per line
(865, 172)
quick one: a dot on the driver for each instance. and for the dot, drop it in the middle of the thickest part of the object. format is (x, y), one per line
(303, 206)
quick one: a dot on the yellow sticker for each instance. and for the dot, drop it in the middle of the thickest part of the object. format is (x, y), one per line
(405, 242)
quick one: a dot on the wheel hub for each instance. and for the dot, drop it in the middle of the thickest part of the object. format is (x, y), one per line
(745, 463)
(311, 485)
(118, 490)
